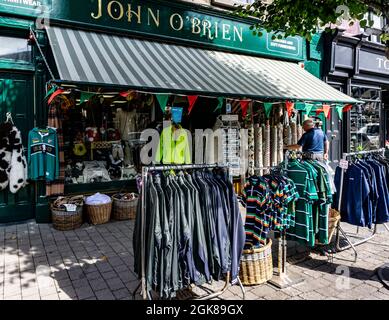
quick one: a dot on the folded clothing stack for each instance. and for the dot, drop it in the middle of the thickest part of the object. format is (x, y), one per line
(126, 196)
(68, 203)
(97, 199)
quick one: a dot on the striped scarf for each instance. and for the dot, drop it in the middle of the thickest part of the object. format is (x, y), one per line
(57, 187)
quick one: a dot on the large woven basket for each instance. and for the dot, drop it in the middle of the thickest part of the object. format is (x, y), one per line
(333, 221)
(256, 265)
(99, 214)
(65, 220)
(124, 209)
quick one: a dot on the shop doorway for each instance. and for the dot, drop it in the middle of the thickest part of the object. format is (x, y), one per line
(17, 97)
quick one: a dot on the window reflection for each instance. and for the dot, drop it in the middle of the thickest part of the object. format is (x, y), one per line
(365, 119)
(14, 49)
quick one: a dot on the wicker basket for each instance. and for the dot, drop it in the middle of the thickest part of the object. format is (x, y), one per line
(99, 214)
(65, 220)
(124, 209)
(256, 266)
(333, 221)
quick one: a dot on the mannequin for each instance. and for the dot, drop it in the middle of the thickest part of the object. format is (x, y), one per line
(127, 124)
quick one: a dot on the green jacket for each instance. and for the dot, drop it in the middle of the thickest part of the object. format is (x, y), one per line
(173, 147)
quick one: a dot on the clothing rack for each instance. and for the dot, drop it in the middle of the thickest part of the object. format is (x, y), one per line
(145, 171)
(339, 229)
(281, 278)
(284, 279)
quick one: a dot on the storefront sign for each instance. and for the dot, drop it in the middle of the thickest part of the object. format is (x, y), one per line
(171, 21)
(22, 7)
(373, 62)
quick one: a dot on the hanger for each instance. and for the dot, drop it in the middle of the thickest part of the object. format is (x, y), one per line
(9, 118)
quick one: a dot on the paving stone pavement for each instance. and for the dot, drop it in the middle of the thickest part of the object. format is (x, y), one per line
(38, 262)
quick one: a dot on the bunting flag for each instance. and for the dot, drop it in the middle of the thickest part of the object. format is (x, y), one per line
(347, 107)
(124, 94)
(162, 100)
(339, 109)
(56, 93)
(51, 91)
(244, 105)
(326, 110)
(220, 104)
(192, 100)
(289, 108)
(308, 108)
(85, 96)
(300, 106)
(268, 107)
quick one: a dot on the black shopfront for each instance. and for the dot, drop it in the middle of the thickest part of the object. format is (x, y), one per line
(360, 69)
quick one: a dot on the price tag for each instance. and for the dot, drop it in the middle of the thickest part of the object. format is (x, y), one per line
(343, 164)
(70, 207)
(228, 108)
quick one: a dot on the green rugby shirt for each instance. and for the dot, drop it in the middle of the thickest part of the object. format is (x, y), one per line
(303, 231)
(43, 161)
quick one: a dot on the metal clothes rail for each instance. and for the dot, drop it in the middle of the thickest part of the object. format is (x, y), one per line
(339, 229)
(282, 279)
(145, 171)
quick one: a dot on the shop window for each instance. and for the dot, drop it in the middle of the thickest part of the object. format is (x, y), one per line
(365, 119)
(14, 49)
(102, 136)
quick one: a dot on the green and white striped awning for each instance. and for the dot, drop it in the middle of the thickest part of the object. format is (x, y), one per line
(98, 58)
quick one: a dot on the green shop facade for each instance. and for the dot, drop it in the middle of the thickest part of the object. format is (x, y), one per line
(28, 63)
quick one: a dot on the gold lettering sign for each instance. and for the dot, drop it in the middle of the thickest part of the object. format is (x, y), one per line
(117, 5)
(180, 22)
(204, 28)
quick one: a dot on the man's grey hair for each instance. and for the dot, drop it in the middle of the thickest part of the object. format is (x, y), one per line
(308, 122)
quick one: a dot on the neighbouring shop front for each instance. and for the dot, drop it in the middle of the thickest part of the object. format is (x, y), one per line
(358, 67)
(110, 69)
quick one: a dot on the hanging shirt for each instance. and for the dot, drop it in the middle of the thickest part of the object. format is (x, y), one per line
(356, 191)
(303, 230)
(382, 213)
(174, 146)
(43, 162)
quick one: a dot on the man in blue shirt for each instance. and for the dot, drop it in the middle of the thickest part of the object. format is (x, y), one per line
(314, 142)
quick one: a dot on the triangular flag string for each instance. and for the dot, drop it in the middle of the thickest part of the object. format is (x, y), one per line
(308, 108)
(339, 109)
(268, 107)
(192, 100)
(347, 107)
(162, 100)
(55, 94)
(51, 91)
(85, 96)
(289, 107)
(244, 105)
(220, 104)
(327, 110)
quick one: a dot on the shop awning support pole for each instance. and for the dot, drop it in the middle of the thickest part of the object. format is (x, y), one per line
(339, 229)
(143, 231)
(281, 278)
(145, 171)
